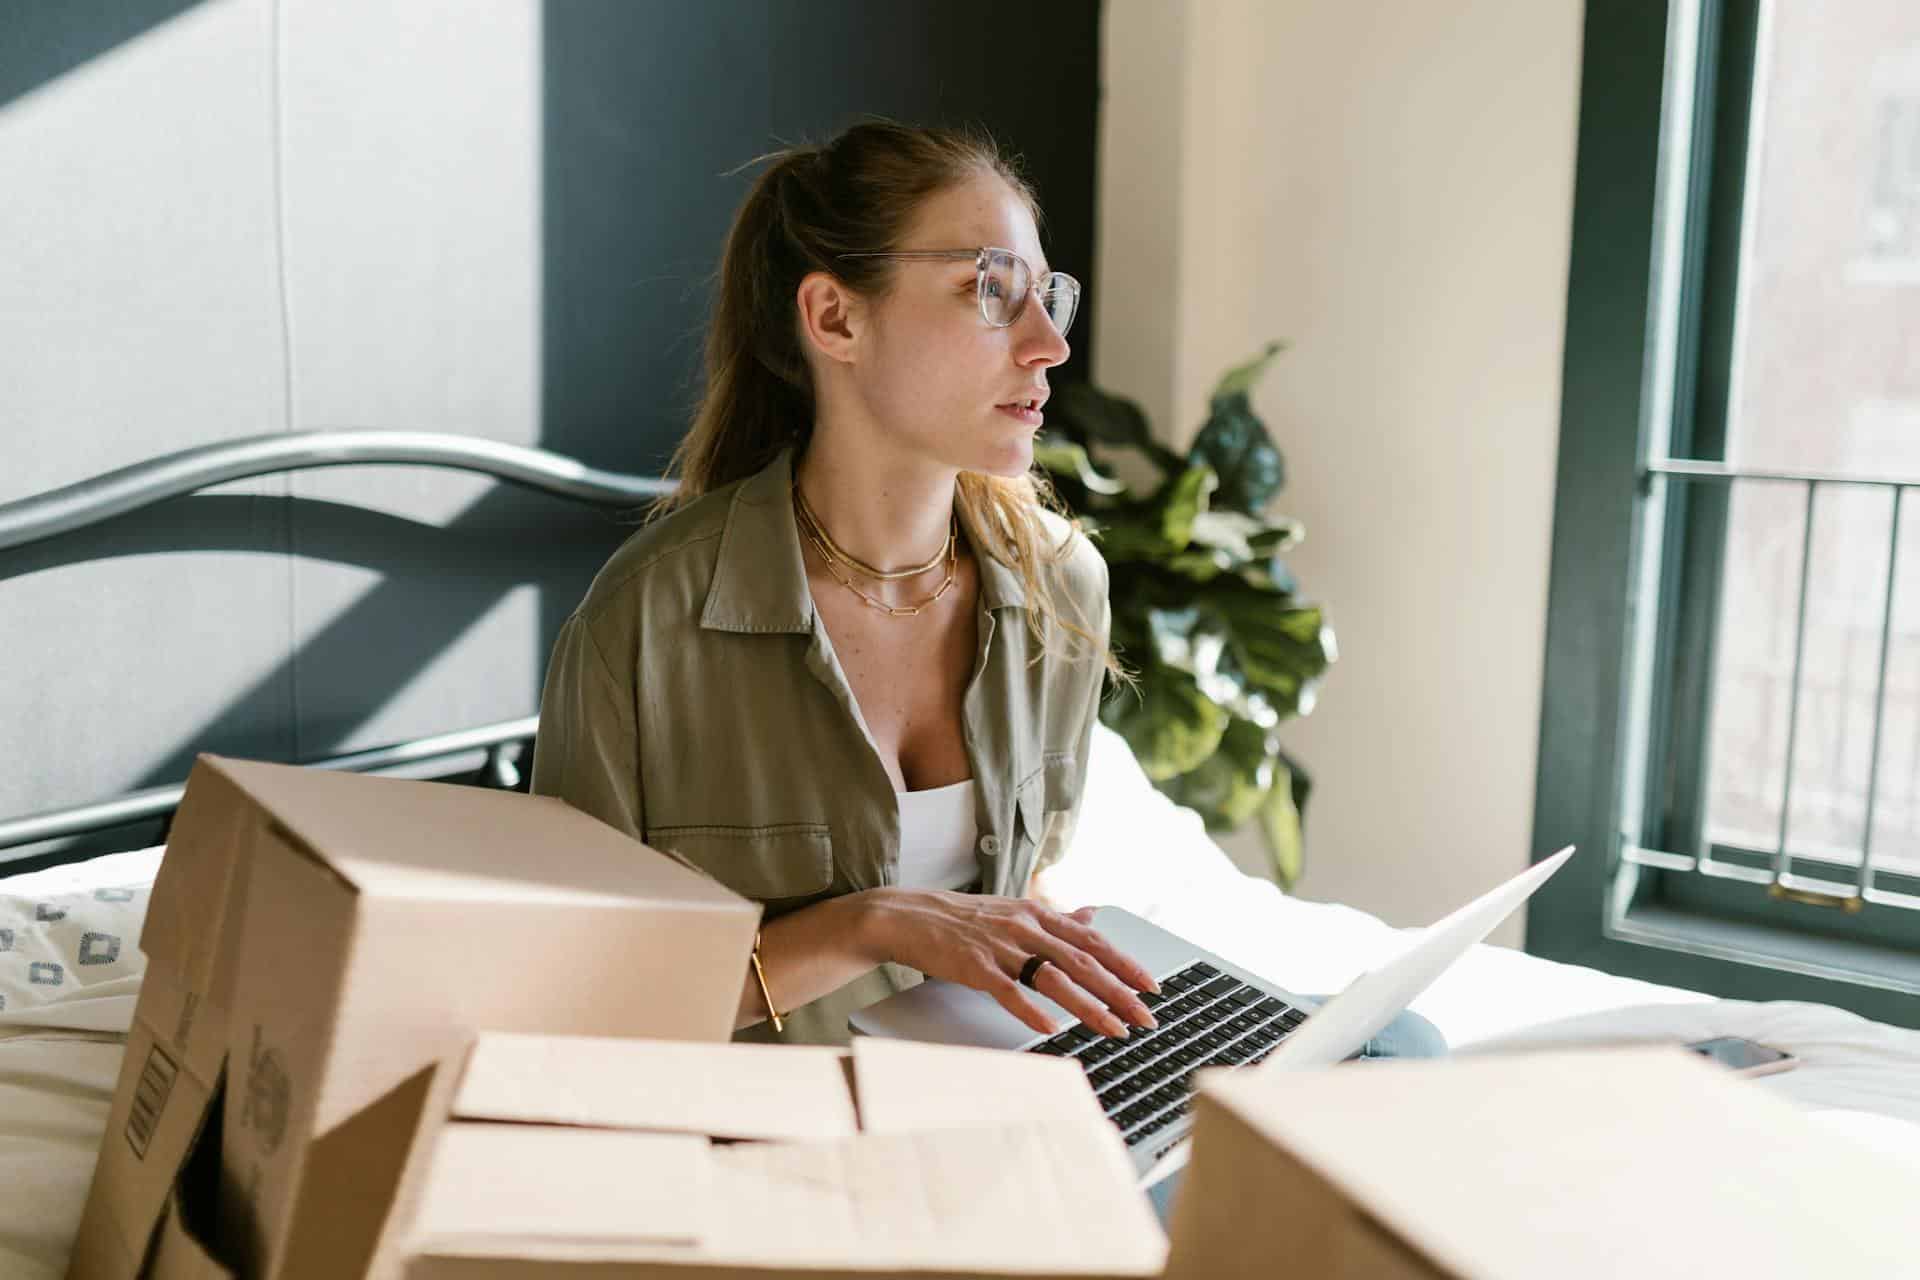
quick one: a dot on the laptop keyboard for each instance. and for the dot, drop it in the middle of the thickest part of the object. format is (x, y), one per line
(1207, 1019)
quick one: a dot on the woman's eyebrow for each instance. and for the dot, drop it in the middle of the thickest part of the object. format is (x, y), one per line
(1038, 268)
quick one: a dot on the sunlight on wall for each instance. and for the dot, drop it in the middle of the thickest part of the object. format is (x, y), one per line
(1389, 188)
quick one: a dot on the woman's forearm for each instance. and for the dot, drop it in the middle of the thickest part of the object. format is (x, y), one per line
(978, 940)
(809, 953)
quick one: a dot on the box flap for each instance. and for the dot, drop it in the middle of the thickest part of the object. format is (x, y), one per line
(492, 1184)
(200, 888)
(1642, 1162)
(908, 1086)
(178, 1254)
(402, 838)
(725, 1090)
(1028, 1200)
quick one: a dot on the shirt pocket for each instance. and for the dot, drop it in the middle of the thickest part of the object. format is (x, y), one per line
(1045, 791)
(1061, 779)
(1029, 808)
(785, 860)
(1044, 794)
(1029, 827)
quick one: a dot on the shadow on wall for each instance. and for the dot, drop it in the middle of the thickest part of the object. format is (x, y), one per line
(649, 108)
(645, 109)
(48, 38)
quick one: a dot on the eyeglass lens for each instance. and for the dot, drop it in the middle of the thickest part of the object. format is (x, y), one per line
(1005, 288)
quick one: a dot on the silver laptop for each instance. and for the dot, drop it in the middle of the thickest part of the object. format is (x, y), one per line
(1211, 1013)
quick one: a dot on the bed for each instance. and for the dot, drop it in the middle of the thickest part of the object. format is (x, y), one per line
(70, 963)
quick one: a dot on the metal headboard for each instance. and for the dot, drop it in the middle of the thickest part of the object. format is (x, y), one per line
(491, 752)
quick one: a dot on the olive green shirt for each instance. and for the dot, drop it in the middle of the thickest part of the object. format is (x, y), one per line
(694, 701)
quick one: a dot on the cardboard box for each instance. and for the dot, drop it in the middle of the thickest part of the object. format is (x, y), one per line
(1641, 1162)
(182, 1247)
(334, 935)
(178, 1040)
(629, 1159)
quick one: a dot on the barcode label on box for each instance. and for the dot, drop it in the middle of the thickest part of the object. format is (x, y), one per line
(150, 1099)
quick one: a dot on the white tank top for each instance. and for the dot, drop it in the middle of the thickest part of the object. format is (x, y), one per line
(936, 837)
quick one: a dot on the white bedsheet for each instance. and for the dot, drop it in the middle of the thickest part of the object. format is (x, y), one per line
(1136, 849)
(55, 1090)
(59, 1061)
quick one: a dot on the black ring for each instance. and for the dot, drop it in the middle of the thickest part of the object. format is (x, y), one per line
(1029, 969)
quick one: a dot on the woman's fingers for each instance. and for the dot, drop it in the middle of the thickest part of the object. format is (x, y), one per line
(1088, 975)
(1013, 998)
(1075, 930)
(984, 942)
(1053, 983)
(1079, 983)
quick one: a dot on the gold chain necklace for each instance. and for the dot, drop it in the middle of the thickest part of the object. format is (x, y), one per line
(817, 535)
(853, 562)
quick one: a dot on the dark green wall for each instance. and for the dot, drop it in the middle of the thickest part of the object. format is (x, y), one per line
(268, 216)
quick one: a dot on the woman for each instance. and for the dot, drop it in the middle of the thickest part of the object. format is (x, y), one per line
(854, 670)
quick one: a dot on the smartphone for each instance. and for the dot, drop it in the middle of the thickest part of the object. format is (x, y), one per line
(1745, 1056)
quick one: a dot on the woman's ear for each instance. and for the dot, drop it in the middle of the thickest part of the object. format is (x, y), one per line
(831, 315)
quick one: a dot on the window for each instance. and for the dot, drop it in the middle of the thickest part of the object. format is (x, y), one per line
(1732, 713)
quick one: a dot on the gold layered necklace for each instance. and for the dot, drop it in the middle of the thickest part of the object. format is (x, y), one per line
(841, 563)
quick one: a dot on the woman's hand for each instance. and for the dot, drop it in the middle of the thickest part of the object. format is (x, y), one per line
(981, 941)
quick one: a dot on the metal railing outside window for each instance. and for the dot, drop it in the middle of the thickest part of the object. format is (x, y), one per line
(1818, 730)
(1766, 809)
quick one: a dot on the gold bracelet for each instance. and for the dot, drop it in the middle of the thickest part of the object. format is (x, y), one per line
(766, 995)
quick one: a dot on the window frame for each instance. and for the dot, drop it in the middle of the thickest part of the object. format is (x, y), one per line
(1609, 605)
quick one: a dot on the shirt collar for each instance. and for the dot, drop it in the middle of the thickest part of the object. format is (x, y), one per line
(1000, 586)
(760, 578)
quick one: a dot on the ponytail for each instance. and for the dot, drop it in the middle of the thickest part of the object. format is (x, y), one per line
(858, 192)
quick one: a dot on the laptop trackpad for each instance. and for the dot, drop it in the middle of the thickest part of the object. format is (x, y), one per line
(948, 1013)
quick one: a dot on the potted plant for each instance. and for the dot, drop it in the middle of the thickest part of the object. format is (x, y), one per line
(1205, 613)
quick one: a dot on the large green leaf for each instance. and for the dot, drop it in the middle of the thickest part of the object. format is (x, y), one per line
(1236, 443)
(1229, 786)
(1168, 722)
(1239, 380)
(1195, 640)
(1278, 647)
(1091, 416)
(1276, 536)
(1231, 534)
(1283, 819)
(1162, 526)
(1182, 502)
(1267, 571)
(1066, 457)
(1250, 777)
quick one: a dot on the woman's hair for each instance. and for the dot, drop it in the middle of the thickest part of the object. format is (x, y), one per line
(858, 192)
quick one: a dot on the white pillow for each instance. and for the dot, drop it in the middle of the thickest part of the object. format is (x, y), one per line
(70, 950)
(70, 968)
(56, 1088)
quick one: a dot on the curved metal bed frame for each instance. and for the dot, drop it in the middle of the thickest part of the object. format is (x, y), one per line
(492, 751)
(170, 476)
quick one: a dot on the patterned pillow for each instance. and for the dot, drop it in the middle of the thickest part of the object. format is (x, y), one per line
(68, 949)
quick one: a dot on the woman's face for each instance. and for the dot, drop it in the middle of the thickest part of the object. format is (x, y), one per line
(931, 372)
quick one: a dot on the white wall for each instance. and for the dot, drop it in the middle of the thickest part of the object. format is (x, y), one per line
(253, 217)
(1388, 187)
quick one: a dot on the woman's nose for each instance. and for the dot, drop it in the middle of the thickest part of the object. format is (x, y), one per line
(1042, 344)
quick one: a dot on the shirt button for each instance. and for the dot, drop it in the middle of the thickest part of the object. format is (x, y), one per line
(990, 845)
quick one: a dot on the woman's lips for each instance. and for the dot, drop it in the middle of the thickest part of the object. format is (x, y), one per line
(1032, 417)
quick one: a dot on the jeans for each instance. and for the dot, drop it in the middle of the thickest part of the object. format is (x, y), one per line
(1407, 1036)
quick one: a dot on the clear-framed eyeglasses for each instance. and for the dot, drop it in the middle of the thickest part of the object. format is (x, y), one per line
(1005, 283)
